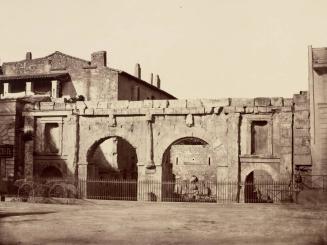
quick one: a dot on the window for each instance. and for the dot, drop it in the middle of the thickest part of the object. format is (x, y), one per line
(51, 138)
(259, 137)
(16, 87)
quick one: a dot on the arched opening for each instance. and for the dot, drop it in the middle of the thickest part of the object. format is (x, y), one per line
(112, 169)
(112, 158)
(184, 153)
(257, 187)
(187, 171)
(51, 172)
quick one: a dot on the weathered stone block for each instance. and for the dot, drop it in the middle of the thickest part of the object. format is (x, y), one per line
(156, 111)
(91, 104)
(216, 102)
(262, 109)
(98, 111)
(262, 101)
(160, 103)
(102, 105)
(119, 104)
(276, 101)
(196, 110)
(301, 141)
(46, 105)
(242, 102)
(208, 110)
(229, 109)
(300, 132)
(70, 106)
(285, 149)
(285, 141)
(177, 103)
(80, 105)
(136, 111)
(300, 99)
(302, 159)
(135, 104)
(59, 106)
(286, 109)
(194, 103)
(249, 109)
(239, 109)
(89, 111)
(301, 117)
(301, 107)
(148, 103)
(288, 102)
(302, 150)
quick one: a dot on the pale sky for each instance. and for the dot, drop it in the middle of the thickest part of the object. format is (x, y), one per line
(200, 49)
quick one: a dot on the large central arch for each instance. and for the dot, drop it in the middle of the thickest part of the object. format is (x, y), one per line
(112, 157)
(112, 169)
(168, 162)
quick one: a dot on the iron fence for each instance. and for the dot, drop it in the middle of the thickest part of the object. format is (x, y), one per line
(268, 192)
(186, 191)
(152, 190)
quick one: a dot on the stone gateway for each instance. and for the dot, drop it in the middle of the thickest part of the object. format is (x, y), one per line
(68, 117)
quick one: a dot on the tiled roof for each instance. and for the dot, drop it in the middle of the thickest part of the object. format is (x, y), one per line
(58, 76)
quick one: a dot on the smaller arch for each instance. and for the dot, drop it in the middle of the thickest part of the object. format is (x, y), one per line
(51, 172)
(257, 187)
(264, 167)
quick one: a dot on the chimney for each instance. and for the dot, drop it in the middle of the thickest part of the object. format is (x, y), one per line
(151, 78)
(137, 72)
(28, 56)
(99, 58)
(158, 81)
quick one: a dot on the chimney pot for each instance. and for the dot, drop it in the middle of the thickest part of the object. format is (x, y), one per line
(151, 78)
(28, 56)
(138, 71)
(158, 81)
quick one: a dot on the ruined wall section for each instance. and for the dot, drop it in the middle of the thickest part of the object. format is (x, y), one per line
(224, 122)
(301, 132)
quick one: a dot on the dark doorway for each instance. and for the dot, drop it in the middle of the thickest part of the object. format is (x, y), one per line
(51, 172)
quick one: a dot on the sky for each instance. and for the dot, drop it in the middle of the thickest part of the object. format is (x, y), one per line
(200, 49)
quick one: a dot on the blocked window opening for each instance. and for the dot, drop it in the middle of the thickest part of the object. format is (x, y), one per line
(51, 138)
(42, 87)
(259, 137)
(16, 87)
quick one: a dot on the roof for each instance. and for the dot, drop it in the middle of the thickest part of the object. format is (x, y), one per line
(59, 76)
(143, 82)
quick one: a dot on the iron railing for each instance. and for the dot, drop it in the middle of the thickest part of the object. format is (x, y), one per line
(153, 190)
(186, 191)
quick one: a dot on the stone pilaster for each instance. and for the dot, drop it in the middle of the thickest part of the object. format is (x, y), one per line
(29, 146)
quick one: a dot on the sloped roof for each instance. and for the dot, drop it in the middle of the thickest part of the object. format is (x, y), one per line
(59, 76)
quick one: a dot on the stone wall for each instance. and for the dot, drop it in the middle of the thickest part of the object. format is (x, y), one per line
(224, 123)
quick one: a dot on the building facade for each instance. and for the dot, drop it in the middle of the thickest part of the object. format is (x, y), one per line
(69, 117)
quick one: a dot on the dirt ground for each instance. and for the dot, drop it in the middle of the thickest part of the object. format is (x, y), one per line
(115, 222)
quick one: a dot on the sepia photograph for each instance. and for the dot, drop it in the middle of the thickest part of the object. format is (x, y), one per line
(154, 122)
